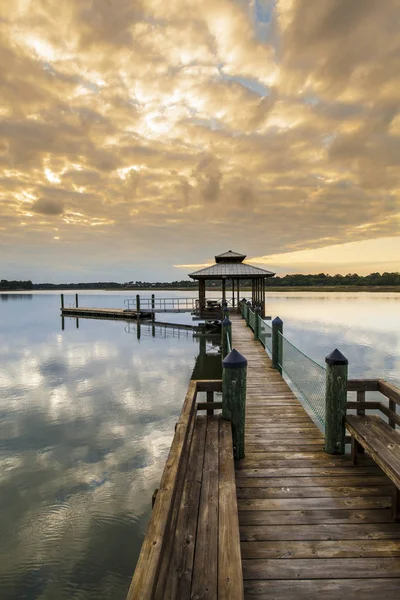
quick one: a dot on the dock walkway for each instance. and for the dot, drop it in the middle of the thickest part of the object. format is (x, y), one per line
(311, 525)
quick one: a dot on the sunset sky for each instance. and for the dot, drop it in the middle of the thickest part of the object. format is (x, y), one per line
(138, 135)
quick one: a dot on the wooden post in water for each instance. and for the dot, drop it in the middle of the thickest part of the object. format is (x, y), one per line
(153, 307)
(137, 303)
(335, 402)
(257, 312)
(226, 331)
(234, 370)
(76, 301)
(138, 329)
(277, 353)
(62, 301)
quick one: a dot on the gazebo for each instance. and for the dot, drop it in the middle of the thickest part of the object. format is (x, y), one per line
(229, 266)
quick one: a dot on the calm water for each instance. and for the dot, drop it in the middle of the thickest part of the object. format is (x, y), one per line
(87, 416)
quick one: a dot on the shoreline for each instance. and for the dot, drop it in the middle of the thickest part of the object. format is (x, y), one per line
(194, 291)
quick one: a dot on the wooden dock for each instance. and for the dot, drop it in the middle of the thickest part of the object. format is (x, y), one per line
(311, 525)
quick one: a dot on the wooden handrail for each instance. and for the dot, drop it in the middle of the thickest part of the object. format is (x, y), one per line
(363, 385)
(144, 580)
(147, 572)
(375, 385)
(389, 390)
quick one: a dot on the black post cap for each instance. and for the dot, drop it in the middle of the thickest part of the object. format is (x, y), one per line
(234, 360)
(277, 321)
(226, 322)
(257, 309)
(336, 358)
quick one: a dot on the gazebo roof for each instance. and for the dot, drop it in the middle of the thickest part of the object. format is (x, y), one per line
(230, 265)
(231, 257)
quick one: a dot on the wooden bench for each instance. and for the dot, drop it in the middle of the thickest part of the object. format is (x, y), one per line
(372, 434)
(192, 545)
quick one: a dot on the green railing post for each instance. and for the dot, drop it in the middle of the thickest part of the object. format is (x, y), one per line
(234, 370)
(137, 303)
(335, 402)
(243, 307)
(226, 332)
(248, 304)
(277, 332)
(257, 312)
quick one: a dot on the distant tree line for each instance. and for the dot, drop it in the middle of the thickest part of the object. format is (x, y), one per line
(352, 279)
(296, 280)
(15, 285)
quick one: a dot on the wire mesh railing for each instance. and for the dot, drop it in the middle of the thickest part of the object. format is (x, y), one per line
(265, 335)
(307, 376)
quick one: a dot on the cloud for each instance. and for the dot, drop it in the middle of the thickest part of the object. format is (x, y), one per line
(47, 207)
(280, 122)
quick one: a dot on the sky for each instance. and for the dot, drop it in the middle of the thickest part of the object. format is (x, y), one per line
(137, 136)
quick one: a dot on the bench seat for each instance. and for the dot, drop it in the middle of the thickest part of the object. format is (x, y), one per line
(382, 443)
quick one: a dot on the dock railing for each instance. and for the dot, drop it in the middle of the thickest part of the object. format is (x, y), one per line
(154, 304)
(323, 388)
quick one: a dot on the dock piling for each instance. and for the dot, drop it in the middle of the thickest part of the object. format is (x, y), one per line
(335, 402)
(76, 301)
(277, 350)
(234, 373)
(62, 301)
(137, 304)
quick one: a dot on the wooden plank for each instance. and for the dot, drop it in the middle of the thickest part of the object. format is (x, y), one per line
(181, 565)
(366, 385)
(380, 440)
(355, 503)
(322, 531)
(354, 480)
(305, 446)
(389, 390)
(208, 405)
(205, 571)
(333, 470)
(145, 577)
(313, 517)
(322, 568)
(210, 385)
(321, 549)
(312, 492)
(326, 589)
(230, 579)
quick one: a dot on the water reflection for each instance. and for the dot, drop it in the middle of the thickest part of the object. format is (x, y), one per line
(6, 297)
(87, 416)
(86, 421)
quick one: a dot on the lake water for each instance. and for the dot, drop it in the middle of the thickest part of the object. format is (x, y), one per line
(87, 416)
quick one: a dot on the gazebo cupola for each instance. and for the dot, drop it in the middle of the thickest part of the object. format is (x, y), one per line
(230, 266)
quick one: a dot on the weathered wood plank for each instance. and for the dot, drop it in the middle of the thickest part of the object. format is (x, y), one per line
(355, 503)
(322, 531)
(355, 480)
(205, 570)
(313, 517)
(312, 492)
(326, 589)
(321, 549)
(145, 577)
(322, 568)
(182, 554)
(230, 578)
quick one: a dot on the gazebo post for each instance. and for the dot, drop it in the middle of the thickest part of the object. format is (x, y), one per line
(263, 298)
(233, 292)
(223, 289)
(238, 297)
